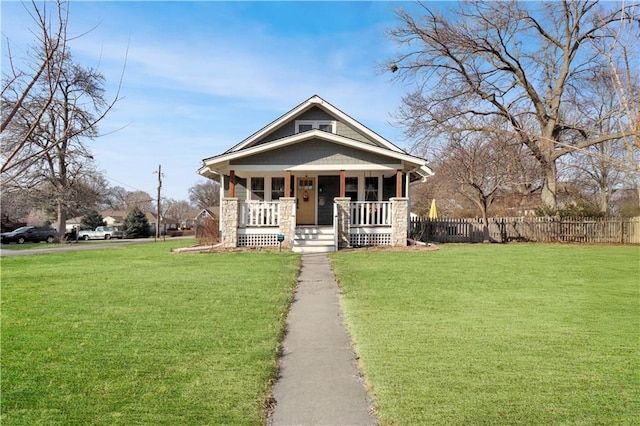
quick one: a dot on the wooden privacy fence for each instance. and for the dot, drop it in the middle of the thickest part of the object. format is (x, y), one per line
(539, 229)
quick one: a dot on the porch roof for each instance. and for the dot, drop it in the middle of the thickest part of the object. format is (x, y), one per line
(220, 165)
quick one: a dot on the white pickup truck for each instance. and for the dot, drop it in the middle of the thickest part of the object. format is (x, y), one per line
(100, 233)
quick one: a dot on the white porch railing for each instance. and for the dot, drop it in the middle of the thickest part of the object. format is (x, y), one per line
(370, 213)
(259, 213)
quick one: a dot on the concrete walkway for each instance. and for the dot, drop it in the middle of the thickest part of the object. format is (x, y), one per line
(319, 383)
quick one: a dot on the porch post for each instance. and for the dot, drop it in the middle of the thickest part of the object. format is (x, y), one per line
(229, 222)
(287, 184)
(399, 221)
(399, 184)
(343, 184)
(287, 220)
(344, 220)
(232, 183)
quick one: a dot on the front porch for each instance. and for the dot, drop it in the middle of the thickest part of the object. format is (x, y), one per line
(352, 224)
(314, 166)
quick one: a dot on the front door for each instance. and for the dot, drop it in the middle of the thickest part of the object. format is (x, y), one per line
(306, 201)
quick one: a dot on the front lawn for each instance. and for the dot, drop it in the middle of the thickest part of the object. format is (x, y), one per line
(140, 335)
(29, 246)
(497, 334)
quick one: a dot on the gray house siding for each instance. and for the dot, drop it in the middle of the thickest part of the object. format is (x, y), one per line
(315, 152)
(314, 113)
(241, 187)
(328, 189)
(343, 130)
(287, 130)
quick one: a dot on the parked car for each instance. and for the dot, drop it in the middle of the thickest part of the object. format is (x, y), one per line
(100, 233)
(34, 234)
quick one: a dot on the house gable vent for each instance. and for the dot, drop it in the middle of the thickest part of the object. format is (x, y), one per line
(324, 125)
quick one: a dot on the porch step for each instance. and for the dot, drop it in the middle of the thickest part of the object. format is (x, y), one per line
(313, 239)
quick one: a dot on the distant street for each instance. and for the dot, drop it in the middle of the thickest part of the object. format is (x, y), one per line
(80, 245)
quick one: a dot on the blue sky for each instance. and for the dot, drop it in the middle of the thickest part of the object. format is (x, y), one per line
(202, 76)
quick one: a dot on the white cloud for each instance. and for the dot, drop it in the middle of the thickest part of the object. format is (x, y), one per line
(189, 93)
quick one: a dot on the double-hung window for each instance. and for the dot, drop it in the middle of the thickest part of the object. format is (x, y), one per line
(351, 188)
(371, 188)
(257, 188)
(277, 188)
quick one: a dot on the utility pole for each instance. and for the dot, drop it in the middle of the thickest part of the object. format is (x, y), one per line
(158, 219)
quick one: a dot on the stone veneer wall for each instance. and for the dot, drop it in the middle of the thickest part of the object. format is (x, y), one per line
(344, 220)
(229, 222)
(287, 220)
(399, 221)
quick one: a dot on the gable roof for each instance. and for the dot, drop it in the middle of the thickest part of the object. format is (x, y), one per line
(259, 142)
(211, 212)
(314, 101)
(212, 165)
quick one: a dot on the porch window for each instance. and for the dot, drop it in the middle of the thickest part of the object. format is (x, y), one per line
(324, 125)
(351, 188)
(277, 188)
(257, 188)
(371, 186)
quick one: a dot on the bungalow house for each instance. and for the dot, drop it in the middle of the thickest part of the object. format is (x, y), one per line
(314, 179)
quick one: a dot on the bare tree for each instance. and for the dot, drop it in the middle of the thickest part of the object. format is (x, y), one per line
(481, 167)
(15, 205)
(140, 200)
(511, 63)
(177, 210)
(18, 84)
(56, 153)
(205, 194)
(597, 171)
(115, 198)
(50, 117)
(621, 49)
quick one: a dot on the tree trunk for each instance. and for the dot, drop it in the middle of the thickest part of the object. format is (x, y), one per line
(61, 223)
(550, 187)
(604, 201)
(485, 223)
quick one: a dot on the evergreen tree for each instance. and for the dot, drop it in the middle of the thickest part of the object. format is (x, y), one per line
(136, 224)
(92, 220)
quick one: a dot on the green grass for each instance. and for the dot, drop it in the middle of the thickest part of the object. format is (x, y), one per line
(497, 334)
(54, 246)
(29, 246)
(139, 335)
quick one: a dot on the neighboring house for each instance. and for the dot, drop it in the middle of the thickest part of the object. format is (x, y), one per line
(196, 216)
(74, 222)
(316, 178)
(208, 213)
(114, 219)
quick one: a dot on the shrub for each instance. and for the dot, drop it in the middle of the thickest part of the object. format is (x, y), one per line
(92, 220)
(136, 224)
(207, 231)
